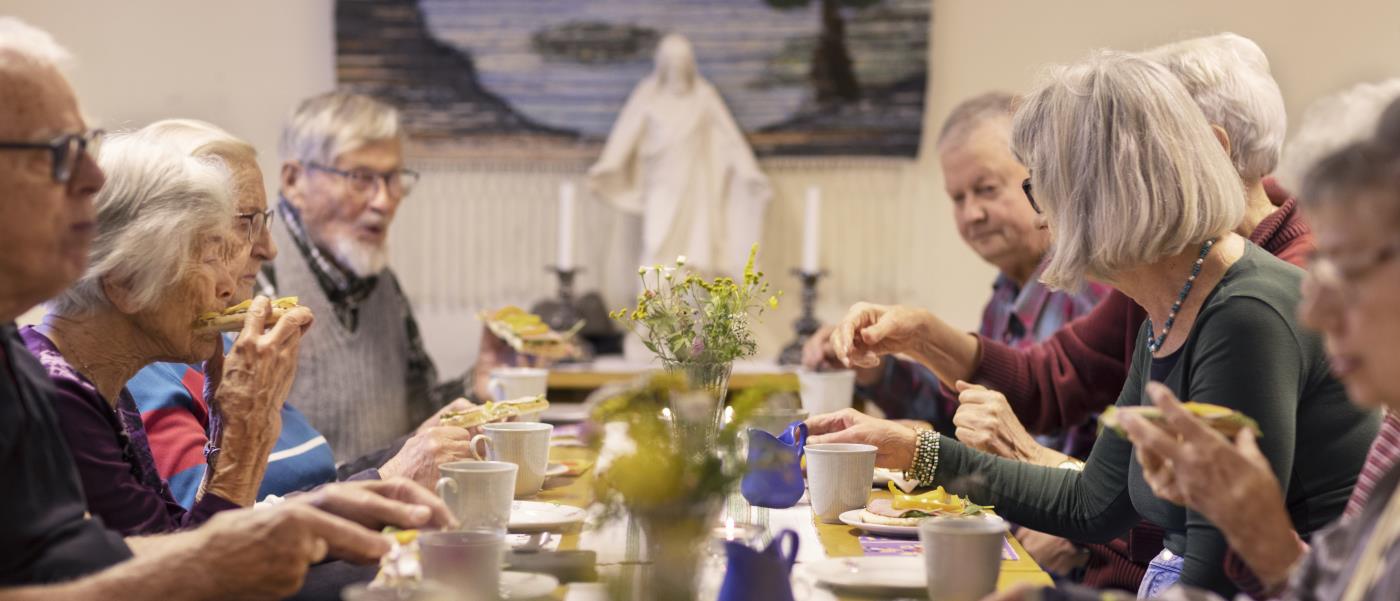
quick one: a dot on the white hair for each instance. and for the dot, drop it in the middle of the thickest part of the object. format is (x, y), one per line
(1332, 122)
(24, 45)
(328, 125)
(1124, 165)
(167, 191)
(970, 113)
(1228, 77)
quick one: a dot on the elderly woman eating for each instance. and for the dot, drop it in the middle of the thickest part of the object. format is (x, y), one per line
(1137, 192)
(165, 254)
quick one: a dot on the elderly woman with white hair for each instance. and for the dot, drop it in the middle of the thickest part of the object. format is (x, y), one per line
(166, 252)
(1137, 192)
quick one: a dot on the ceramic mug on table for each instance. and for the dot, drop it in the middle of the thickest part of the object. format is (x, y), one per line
(508, 383)
(526, 444)
(826, 391)
(962, 556)
(838, 478)
(479, 493)
(468, 562)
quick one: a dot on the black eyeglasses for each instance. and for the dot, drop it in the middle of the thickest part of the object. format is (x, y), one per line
(1026, 187)
(257, 223)
(398, 182)
(65, 150)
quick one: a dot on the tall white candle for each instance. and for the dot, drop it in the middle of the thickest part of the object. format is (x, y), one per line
(811, 231)
(567, 193)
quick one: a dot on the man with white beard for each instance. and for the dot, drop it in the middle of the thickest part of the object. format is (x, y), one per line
(365, 379)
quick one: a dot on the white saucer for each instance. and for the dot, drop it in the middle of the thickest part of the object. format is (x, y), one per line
(872, 576)
(555, 469)
(852, 518)
(532, 516)
(527, 585)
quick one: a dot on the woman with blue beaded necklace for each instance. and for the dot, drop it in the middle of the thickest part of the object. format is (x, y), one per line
(1138, 191)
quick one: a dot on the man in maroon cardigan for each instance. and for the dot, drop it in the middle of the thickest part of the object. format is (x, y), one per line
(1079, 371)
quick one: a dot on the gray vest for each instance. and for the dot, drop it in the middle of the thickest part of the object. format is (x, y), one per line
(350, 385)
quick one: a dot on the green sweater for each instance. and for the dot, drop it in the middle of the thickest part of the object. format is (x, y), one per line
(1246, 351)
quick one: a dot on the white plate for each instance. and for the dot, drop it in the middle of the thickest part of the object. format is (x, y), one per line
(555, 469)
(531, 516)
(852, 518)
(872, 576)
(527, 585)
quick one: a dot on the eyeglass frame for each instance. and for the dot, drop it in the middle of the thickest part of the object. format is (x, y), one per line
(1026, 187)
(1345, 277)
(380, 178)
(60, 148)
(255, 231)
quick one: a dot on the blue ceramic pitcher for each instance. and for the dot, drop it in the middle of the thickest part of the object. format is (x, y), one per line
(760, 575)
(774, 477)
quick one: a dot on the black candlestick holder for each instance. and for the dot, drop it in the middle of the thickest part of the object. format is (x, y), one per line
(807, 324)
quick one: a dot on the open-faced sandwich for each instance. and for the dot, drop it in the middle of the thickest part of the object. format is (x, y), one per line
(401, 567)
(231, 319)
(493, 411)
(1221, 419)
(908, 510)
(527, 333)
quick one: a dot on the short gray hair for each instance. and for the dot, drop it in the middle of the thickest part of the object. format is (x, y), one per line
(22, 44)
(1366, 171)
(1125, 166)
(326, 126)
(974, 111)
(166, 192)
(1228, 76)
(1332, 122)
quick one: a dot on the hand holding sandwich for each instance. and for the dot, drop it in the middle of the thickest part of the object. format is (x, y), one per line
(247, 388)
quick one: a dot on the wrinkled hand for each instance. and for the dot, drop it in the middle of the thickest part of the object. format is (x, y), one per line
(819, 355)
(251, 383)
(374, 504)
(894, 442)
(1053, 553)
(870, 331)
(264, 553)
(421, 455)
(986, 422)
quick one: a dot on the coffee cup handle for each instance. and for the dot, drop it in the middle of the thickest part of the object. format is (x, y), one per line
(497, 389)
(477, 454)
(447, 487)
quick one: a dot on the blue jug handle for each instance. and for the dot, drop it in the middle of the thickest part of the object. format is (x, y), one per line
(797, 431)
(789, 536)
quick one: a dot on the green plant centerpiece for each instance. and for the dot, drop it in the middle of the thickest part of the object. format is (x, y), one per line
(662, 456)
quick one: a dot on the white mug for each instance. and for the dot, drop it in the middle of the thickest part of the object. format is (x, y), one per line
(826, 391)
(526, 444)
(838, 478)
(479, 493)
(962, 556)
(510, 383)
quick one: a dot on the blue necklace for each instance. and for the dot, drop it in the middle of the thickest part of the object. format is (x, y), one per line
(1154, 343)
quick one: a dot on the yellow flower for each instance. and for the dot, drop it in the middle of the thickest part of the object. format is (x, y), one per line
(642, 270)
(773, 302)
(680, 261)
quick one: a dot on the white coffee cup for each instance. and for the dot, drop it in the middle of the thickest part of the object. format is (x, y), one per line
(526, 444)
(962, 556)
(509, 383)
(826, 391)
(838, 478)
(468, 562)
(479, 493)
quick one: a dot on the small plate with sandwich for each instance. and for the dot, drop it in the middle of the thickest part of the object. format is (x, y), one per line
(494, 411)
(528, 334)
(1224, 420)
(232, 318)
(900, 514)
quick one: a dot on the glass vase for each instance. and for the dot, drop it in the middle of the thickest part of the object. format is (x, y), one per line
(697, 413)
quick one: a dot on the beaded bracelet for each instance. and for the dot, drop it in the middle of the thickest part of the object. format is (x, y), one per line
(925, 464)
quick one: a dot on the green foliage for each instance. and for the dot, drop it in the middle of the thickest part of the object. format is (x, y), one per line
(688, 319)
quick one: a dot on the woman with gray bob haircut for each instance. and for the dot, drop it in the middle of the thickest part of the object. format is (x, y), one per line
(167, 252)
(1138, 191)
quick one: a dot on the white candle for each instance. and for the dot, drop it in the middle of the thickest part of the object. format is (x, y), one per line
(567, 193)
(811, 231)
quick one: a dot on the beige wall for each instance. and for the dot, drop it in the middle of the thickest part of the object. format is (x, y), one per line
(886, 229)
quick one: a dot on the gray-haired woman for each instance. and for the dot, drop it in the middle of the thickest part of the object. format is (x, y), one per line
(166, 252)
(1137, 192)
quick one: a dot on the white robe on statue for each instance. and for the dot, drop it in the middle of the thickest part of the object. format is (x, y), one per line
(676, 157)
